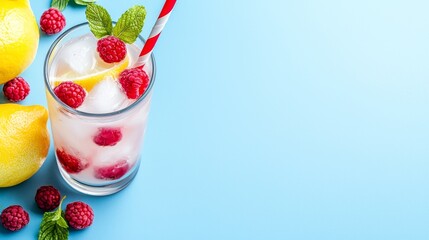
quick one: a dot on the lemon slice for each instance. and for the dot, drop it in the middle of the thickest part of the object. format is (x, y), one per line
(89, 81)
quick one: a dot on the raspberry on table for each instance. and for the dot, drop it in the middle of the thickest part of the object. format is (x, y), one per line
(111, 49)
(14, 218)
(52, 21)
(134, 81)
(70, 93)
(47, 198)
(108, 136)
(16, 89)
(70, 163)
(112, 172)
(79, 215)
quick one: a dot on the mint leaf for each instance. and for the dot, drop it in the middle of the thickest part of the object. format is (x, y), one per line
(83, 2)
(100, 22)
(54, 226)
(59, 4)
(130, 24)
(51, 229)
(62, 221)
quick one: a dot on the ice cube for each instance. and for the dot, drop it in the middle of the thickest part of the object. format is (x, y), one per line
(70, 133)
(128, 148)
(77, 56)
(107, 96)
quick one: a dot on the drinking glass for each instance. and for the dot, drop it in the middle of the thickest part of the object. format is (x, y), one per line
(85, 165)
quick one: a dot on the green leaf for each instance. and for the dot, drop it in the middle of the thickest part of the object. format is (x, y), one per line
(62, 223)
(54, 226)
(130, 24)
(59, 4)
(83, 2)
(99, 20)
(51, 229)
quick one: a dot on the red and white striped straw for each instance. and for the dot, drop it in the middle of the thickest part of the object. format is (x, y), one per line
(154, 34)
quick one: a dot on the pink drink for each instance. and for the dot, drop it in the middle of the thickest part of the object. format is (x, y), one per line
(98, 145)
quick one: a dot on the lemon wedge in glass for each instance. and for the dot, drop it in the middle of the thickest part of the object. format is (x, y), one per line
(89, 81)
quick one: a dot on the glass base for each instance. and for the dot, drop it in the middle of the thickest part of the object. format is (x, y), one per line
(99, 190)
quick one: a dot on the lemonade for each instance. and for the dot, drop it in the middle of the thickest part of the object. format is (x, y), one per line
(98, 144)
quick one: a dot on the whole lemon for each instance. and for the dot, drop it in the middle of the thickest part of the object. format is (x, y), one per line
(24, 142)
(19, 38)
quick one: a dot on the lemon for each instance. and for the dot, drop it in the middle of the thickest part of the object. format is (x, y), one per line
(24, 142)
(19, 38)
(89, 81)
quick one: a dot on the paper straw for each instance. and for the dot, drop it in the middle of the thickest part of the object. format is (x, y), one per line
(154, 34)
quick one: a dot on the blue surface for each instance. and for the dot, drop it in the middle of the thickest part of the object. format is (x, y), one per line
(270, 120)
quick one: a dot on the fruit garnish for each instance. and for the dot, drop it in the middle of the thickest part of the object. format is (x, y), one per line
(112, 172)
(53, 225)
(79, 215)
(52, 21)
(134, 82)
(16, 89)
(70, 163)
(14, 217)
(127, 29)
(89, 81)
(24, 142)
(111, 49)
(47, 198)
(70, 93)
(107, 136)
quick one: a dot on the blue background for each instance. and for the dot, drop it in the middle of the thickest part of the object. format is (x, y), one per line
(296, 119)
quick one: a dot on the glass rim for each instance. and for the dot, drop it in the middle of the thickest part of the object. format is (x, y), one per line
(87, 114)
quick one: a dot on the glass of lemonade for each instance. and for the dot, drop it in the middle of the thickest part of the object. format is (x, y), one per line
(97, 145)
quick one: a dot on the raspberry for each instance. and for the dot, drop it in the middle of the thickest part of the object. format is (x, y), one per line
(113, 172)
(108, 136)
(47, 198)
(14, 218)
(70, 163)
(16, 89)
(52, 21)
(111, 49)
(134, 81)
(70, 93)
(79, 215)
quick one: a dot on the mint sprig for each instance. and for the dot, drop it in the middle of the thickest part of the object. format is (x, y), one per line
(130, 24)
(127, 29)
(99, 20)
(62, 4)
(59, 4)
(53, 225)
(83, 2)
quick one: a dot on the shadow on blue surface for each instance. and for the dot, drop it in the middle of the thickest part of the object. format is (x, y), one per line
(2, 98)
